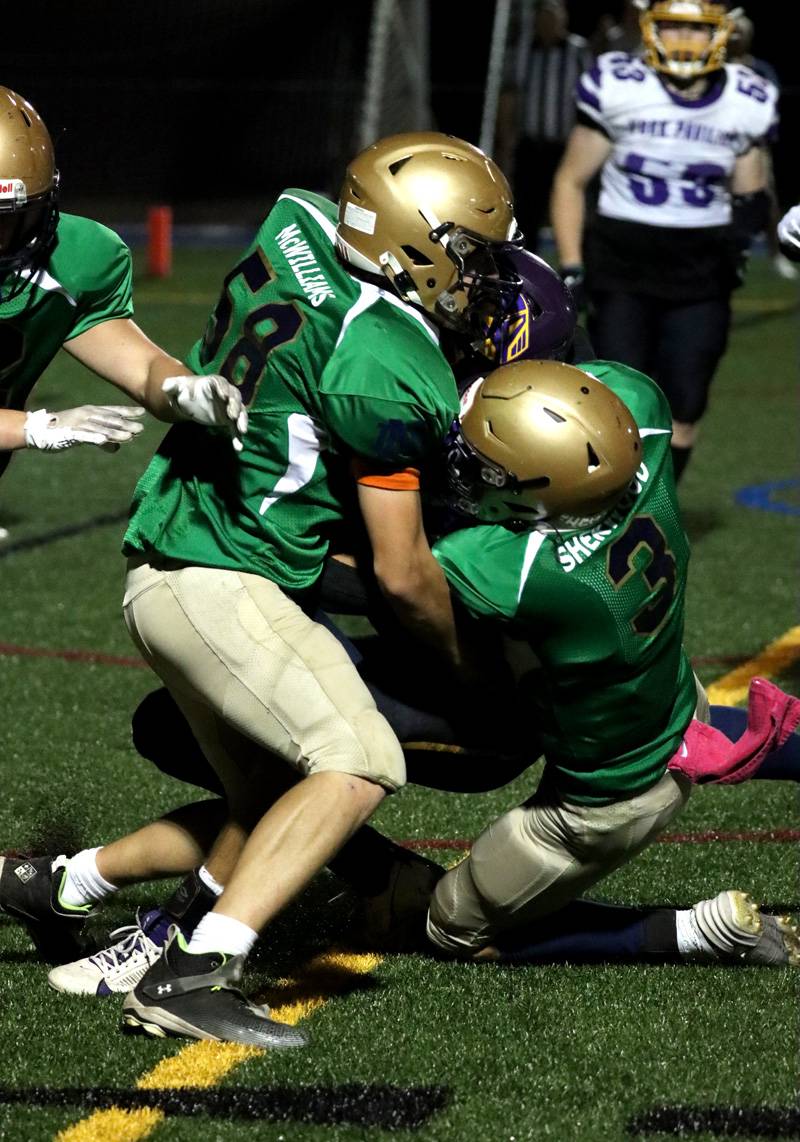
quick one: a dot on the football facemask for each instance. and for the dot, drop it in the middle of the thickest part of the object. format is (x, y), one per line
(486, 288)
(540, 321)
(685, 39)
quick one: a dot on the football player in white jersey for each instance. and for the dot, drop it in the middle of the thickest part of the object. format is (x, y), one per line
(679, 137)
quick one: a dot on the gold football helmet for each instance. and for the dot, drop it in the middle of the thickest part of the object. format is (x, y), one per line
(28, 186)
(426, 212)
(686, 57)
(541, 441)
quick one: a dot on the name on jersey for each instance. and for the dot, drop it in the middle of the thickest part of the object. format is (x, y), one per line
(575, 550)
(304, 265)
(684, 130)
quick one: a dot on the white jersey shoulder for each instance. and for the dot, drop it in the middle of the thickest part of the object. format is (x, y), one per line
(672, 158)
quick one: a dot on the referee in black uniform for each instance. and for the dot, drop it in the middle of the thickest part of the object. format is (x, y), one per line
(537, 110)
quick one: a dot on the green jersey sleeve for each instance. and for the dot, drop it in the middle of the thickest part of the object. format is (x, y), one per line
(484, 569)
(107, 287)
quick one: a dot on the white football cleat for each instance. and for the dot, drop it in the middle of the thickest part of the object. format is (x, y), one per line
(737, 931)
(119, 967)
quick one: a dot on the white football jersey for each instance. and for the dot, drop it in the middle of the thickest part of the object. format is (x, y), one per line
(673, 158)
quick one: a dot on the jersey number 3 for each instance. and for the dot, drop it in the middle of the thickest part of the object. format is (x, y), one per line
(656, 565)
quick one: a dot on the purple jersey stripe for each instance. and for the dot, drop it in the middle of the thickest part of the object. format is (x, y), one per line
(586, 96)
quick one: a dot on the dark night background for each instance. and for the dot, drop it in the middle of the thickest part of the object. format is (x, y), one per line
(215, 105)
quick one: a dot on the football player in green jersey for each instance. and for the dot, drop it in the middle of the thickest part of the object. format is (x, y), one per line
(329, 326)
(65, 282)
(587, 573)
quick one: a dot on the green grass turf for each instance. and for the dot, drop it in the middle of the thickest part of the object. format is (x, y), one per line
(546, 1053)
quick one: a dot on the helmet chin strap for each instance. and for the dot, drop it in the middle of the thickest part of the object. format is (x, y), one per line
(401, 280)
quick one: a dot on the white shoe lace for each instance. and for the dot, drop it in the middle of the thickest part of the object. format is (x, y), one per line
(133, 940)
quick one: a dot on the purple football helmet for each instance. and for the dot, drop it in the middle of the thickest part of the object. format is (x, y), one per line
(540, 324)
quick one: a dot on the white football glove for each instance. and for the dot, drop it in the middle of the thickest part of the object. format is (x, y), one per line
(789, 233)
(209, 400)
(107, 426)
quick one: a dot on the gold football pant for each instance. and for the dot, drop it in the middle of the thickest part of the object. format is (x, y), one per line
(536, 858)
(245, 663)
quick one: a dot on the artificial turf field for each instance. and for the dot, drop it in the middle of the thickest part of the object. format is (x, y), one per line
(401, 1046)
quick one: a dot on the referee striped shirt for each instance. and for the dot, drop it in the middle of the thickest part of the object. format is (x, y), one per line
(546, 78)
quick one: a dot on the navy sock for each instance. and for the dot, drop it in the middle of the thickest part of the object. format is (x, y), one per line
(584, 932)
(781, 765)
(588, 932)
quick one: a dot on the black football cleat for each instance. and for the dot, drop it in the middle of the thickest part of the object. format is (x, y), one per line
(29, 891)
(196, 997)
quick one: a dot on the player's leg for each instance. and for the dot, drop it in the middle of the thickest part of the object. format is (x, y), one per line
(160, 733)
(623, 328)
(202, 840)
(253, 657)
(536, 858)
(691, 341)
(729, 928)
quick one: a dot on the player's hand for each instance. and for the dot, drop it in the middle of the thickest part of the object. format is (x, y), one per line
(742, 264)
(789, 234)
(106, 426)
(573, 279)
(209, 400)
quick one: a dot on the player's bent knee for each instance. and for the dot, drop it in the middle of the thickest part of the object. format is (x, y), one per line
(459, 922)
(364, 747)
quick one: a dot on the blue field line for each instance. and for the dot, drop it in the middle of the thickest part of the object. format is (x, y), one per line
(203, 236)
(761, 496)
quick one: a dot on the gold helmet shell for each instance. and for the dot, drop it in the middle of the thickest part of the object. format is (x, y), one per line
(28, 183)
(542, 440)
(424, 210)
(685, 58)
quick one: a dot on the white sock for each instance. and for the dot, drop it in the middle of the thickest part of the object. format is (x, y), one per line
(209, 881)
(692, 944)
(218, 933)
(83, 884)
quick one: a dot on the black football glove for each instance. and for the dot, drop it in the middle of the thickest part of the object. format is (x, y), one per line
(573, 279)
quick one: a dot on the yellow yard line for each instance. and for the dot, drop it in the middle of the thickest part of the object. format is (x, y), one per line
(203, 1064)
(773, 659)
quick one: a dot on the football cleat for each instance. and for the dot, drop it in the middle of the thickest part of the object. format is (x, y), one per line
(737, 931)
(119, 967)
(196, 997)
(30, 892)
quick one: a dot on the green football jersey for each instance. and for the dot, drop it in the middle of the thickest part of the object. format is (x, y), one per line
(326, 364)
(603, 613)
(86, 280)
